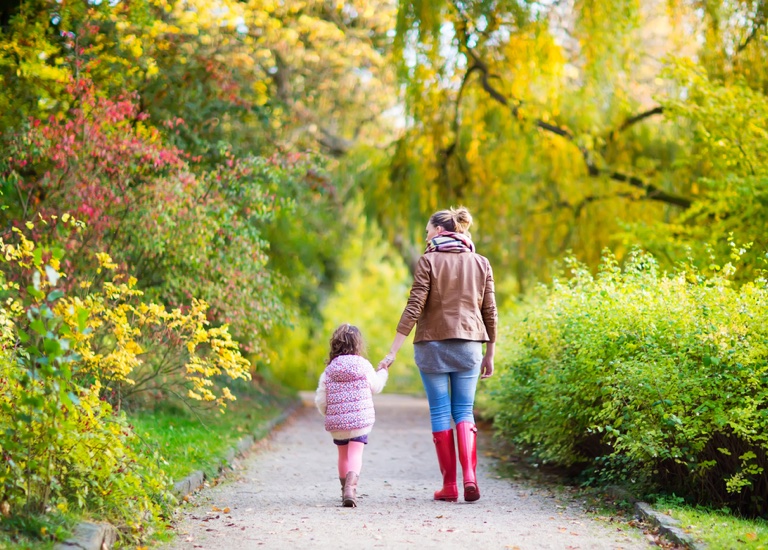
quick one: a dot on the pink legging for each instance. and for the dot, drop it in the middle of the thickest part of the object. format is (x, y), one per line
(350, 457)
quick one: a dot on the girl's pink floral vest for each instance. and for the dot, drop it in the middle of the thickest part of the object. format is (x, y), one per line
(349, 398)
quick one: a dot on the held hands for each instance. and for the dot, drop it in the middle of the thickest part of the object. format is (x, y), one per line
(387, 361)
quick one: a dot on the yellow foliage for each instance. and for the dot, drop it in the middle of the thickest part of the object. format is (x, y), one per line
(115, 333)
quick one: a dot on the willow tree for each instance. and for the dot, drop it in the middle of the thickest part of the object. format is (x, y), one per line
(577, 125)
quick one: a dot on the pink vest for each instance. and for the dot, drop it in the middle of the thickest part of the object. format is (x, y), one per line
(349, 398)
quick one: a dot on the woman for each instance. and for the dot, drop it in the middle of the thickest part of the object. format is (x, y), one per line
(453, 305)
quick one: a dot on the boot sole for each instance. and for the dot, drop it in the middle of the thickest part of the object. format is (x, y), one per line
(350, 503)
(471, 493)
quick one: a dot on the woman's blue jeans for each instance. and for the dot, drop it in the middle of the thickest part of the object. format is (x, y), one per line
(451, 394)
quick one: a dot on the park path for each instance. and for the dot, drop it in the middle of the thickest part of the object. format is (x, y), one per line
(286, 494)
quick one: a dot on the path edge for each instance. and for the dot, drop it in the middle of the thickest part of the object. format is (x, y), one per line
(668, 526)
(89, 535)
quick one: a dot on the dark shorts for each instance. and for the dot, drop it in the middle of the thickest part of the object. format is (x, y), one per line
(360, 439)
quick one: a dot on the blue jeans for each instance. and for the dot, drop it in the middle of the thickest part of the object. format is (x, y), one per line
(450, 394)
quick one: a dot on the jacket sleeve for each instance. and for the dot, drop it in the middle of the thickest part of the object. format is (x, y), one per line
(376, 379)
(417, 299)
(321, 396)
(488, 309)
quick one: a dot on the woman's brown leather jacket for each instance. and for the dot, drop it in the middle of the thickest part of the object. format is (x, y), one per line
(452, 297)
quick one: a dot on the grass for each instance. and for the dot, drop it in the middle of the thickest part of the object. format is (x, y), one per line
(34, 532)
(717, 528)
(197, 439)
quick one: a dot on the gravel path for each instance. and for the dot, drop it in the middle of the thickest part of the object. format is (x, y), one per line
(286, 495)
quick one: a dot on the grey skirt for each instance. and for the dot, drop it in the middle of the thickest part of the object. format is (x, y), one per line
(443, 356)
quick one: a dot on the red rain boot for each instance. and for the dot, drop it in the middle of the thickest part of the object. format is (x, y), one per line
(446, 457)
(466, 433)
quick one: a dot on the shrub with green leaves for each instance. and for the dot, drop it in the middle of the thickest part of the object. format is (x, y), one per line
(63, 445)
(63, 448)
(657, 380)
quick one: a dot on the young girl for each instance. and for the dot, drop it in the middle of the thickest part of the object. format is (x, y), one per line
(345, 397)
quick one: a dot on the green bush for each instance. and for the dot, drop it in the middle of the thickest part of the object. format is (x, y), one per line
(66, 448)
(655, 380)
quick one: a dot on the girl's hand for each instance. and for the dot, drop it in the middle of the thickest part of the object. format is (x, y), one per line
(387, 361)
(486, 367)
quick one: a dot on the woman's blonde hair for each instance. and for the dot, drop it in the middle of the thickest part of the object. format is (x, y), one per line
(346, 340)
(456, 220)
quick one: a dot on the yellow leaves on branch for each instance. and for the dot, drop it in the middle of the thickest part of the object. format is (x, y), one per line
(22, 253)
(123, 333)
(116, 334)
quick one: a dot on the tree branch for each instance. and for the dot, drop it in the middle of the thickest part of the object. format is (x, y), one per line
(448, 151)
(759, 22)
(651, 191)
(640, 117)
(336, 145)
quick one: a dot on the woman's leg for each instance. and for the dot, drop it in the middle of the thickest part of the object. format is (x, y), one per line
(436, 387)
(463, 386)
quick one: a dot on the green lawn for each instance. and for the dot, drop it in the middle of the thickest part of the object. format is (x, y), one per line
(718, 529)
(30, 532)
(197, 439)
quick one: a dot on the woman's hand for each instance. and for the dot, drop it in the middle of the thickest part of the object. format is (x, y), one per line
(387, 361)
(486, 367)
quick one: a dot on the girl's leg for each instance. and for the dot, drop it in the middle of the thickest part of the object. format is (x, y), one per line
(355, 457)
(436, 387)
(354, 464)
(343, 460)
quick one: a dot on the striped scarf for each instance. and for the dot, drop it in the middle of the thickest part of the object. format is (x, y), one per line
(451, 242)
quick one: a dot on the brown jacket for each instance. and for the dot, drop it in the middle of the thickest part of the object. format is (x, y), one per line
(452, 297)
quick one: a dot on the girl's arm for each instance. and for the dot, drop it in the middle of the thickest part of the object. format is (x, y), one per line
(377, 379)
(321, 396)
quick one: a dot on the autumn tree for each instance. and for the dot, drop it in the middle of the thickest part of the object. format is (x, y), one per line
(579, 125)
(223, 86)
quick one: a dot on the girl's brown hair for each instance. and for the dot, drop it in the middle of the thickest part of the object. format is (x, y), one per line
(455, 220)
(346, 340)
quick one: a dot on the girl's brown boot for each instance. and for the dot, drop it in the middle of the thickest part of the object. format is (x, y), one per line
(349, 494)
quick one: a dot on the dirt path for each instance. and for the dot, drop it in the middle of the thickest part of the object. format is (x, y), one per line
(287, 495)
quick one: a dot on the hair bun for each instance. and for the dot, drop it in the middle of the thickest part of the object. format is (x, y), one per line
(462, 218)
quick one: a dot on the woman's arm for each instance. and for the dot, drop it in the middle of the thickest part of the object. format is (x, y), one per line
(490, 320)
(393, 349)
(417, 299)
(486, 366)
(488, 307)
(416, 302)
